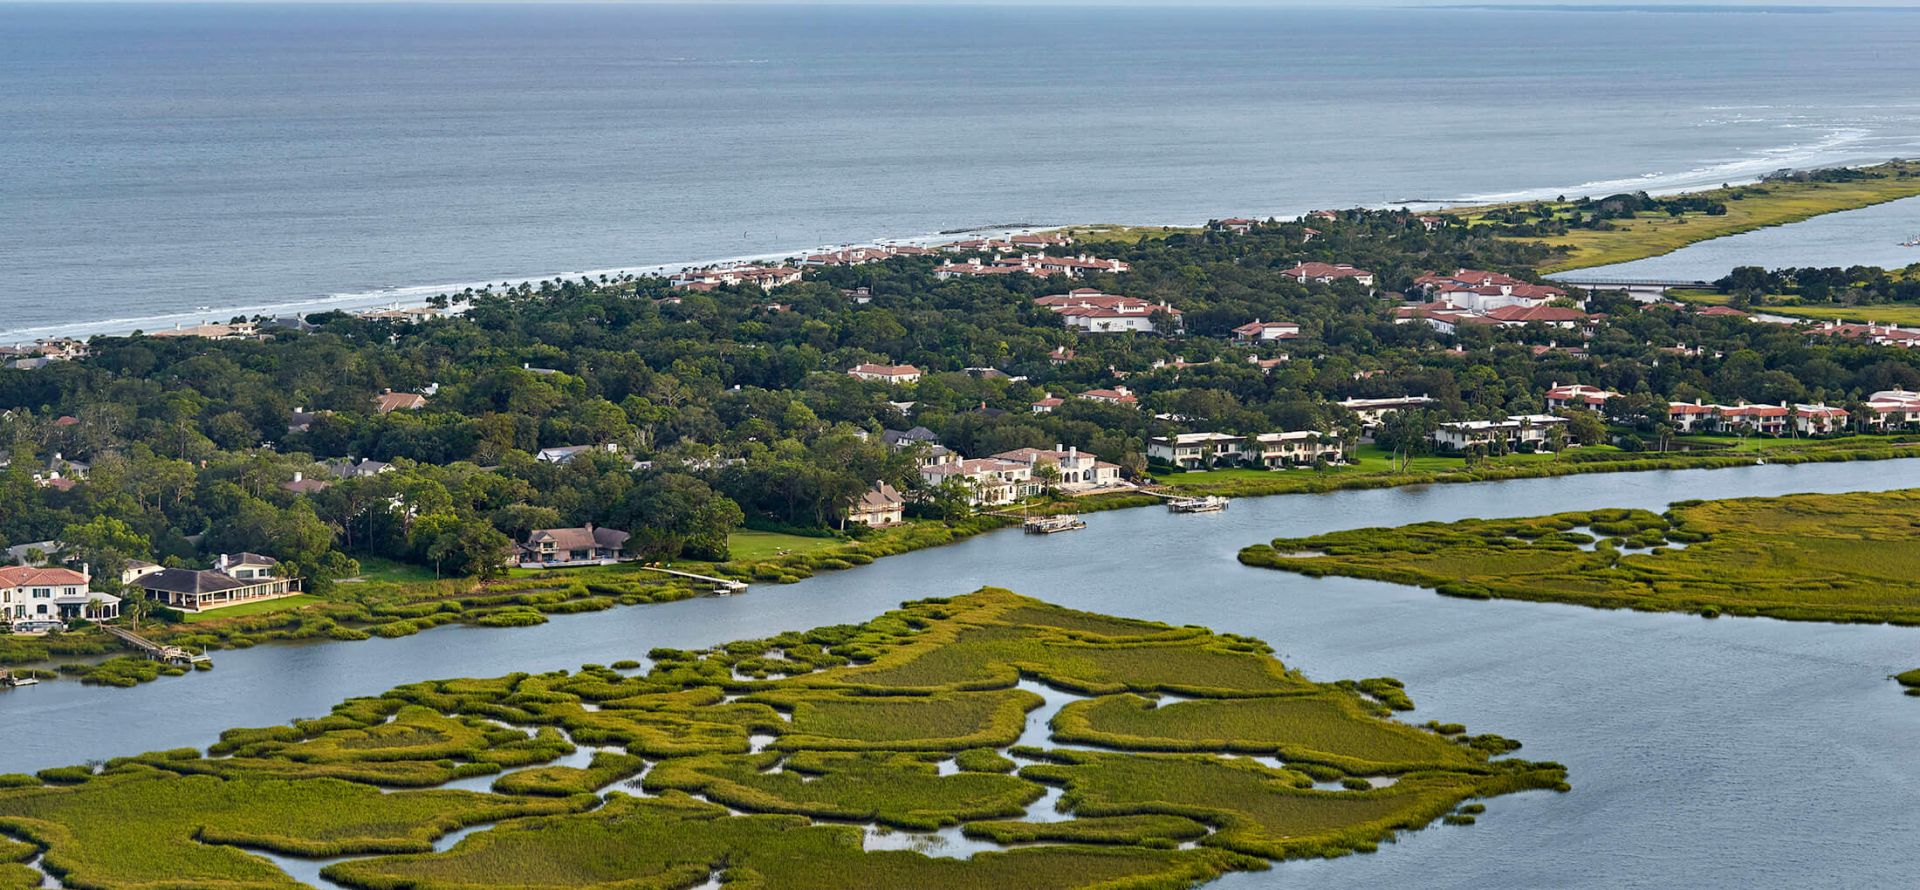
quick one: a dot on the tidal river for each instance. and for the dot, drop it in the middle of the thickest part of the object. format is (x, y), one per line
(1725, 753)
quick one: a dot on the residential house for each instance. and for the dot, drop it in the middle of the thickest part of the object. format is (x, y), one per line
(1372, 411)
(583, 546)
(347, 469)
(561, 454)
(1766, 420)
(211, 331)
(1578, 395)
(1079, 470)
(1479, 291)
(406, 314)
(390, 401)
(890, 374)
(37, 598)
(301, 420)
(1877, 334)
(1516, 432)
(852, 256)
(763, 277)
(881, 506)
(236, 578)
(1046, 404)
(302, 485)
(1089, 310)
(990, 482)
(1328, 273)
(1893, 409)
(1042, 240)
(1118, 395)
(1552, 316)
(1820, 420)
(1236, 225)
(1295, 448)
(1196, 451)
(925, 440)
(1258, 331)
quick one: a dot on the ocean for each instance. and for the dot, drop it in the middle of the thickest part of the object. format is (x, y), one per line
(163, 163)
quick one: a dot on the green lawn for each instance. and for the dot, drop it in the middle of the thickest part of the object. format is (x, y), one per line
(380, 568)
(1760, 443)
(261, 607)
(748, 544)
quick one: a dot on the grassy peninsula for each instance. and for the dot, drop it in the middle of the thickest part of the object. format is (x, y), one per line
(763, 763)
(1845, 557)
(1746, 207)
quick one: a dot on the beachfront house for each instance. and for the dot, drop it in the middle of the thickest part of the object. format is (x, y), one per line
(234, 579)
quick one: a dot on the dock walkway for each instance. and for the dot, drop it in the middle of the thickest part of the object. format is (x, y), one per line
(153, 650)
(720, 585)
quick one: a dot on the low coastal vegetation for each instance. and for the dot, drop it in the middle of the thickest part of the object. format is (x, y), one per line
(764, 763)
(1623, 228)
(379, 607)
(1840, 557)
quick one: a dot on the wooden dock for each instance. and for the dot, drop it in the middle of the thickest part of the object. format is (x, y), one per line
(722, 586)
(155, 651)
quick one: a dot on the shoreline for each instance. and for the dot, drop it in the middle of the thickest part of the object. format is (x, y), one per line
(416, 295)
(249, 630)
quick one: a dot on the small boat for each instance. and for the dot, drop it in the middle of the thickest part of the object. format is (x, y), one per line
(9, 681)
(1208, 504)
(1911, 242)
(1047, 525)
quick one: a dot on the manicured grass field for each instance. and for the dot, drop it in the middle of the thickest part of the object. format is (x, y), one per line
(263, 607)
(904, 722)
(1845, 557)
(749, 545)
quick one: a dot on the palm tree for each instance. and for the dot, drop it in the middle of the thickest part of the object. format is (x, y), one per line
(1048, 475)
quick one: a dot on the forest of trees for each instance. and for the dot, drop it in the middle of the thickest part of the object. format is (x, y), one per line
(733, 406)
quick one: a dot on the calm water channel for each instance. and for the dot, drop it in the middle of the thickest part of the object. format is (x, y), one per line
(1724, 753)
